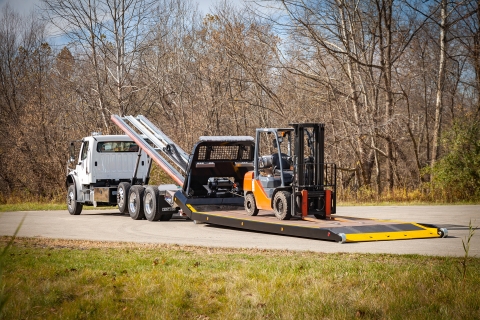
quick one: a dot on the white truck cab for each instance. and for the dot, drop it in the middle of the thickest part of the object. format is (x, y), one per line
(103, 163)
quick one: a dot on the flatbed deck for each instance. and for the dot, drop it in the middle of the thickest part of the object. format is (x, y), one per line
(339, 228)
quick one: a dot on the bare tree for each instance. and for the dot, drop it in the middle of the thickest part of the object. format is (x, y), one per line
(111, 35)
(365, 41)
(31, 136)
(442, 62)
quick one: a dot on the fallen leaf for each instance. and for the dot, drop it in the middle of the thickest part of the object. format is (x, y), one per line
(359, 314)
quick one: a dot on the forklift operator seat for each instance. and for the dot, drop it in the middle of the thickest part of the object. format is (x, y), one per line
(283, 159)
(287, 173)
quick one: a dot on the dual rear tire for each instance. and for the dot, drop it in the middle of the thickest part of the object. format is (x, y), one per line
(151, 206)
(135, 202)
(143, 203)
(122, 196)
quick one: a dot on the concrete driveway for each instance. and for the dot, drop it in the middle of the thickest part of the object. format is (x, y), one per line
(109, 225)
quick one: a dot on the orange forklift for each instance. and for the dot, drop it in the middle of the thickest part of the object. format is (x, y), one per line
(293, 180)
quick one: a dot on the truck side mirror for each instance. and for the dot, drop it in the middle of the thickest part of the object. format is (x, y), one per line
(72, 152)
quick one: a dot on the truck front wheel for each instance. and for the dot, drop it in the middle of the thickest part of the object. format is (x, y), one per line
(135, 202)
(74, 207)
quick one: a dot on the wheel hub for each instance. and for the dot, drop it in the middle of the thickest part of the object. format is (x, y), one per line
(133, 202)
(148, 205)
(121, 196)
(70, 199)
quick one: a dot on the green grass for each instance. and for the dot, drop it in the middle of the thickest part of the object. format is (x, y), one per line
(55, 279)
(32, 206)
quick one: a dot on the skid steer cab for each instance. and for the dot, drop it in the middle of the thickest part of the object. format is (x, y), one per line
(103, 171)
(290, 175)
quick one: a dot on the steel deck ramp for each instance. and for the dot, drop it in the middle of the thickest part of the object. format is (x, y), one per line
(340, 228)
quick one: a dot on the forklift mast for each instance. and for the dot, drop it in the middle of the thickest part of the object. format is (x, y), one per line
(314, 186)
(309, 168)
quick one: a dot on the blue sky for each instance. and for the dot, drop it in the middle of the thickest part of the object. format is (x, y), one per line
(24, 6)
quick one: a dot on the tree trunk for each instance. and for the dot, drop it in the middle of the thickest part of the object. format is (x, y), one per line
(437, 129)
(385, 34)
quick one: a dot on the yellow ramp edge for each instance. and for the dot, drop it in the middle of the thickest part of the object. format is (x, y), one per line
(393, 235)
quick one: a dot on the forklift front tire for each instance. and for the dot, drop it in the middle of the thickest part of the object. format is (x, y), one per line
(282, 205)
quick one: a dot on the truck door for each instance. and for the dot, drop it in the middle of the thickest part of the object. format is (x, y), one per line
(83, 166)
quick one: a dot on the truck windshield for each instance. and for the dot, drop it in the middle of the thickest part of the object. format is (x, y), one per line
(117, 146)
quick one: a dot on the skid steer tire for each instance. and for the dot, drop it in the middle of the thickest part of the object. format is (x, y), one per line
(74, 207)
(251, 205)
(150, 204)
(122, 197)
(135, 202)
(282, 205)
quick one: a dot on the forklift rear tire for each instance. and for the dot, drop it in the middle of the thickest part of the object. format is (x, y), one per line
(250, 205)
(122, 196)
(74, 207)
(150, 204)
(135, 202)
(282, 205)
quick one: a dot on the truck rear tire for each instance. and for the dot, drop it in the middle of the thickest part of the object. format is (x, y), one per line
(282, 205)
(135, 202)
(251, 205)
(74, 207)
(150, 204)
(122, 196)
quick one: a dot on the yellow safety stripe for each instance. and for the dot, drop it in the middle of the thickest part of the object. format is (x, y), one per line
(393, 235)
